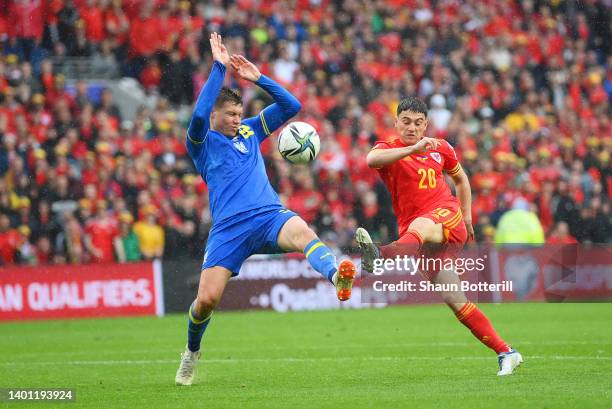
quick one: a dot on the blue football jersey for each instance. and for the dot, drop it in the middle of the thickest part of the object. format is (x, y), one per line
(233, 167)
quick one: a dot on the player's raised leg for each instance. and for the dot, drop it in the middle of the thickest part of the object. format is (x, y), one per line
(452, 232)
(295, 235)
(212, 284)
(425, 231)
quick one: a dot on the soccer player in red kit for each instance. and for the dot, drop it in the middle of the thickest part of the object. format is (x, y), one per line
(412, 167)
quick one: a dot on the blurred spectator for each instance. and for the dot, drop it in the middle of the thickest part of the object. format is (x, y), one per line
(100, 234)
(44, 251)
(285, 67)
(438, 115)
(26, 252)
(126, 244)
(104, 62)
(151, 75)
(519, 226)
(566, 209)
(143, 37)
(107, 105)
(560, 235)
(484, 231)
(151, 236)
(70, 242)
(9, 240)
(26, 25)
(306, 200)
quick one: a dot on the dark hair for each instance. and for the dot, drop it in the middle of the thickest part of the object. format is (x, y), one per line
(228, 95)
(412, 104)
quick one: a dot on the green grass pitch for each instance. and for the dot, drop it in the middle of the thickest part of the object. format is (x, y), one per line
(418, 357)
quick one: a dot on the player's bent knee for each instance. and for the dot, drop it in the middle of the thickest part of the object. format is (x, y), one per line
(207, 300)
(208, 297)
(212, 285)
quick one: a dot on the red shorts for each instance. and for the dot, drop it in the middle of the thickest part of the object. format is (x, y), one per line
(451, 218)
(455, 235)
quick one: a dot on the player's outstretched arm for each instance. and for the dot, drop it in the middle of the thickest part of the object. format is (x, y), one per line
(199, 124)
(286, 105)
(379, 158)
(464, 194)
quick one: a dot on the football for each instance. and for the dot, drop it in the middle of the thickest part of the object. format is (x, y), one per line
(299, 143)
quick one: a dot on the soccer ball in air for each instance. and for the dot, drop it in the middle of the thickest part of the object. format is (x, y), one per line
(299, 143)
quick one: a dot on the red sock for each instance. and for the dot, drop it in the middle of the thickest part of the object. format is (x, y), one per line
(409, 244)
(481, 327)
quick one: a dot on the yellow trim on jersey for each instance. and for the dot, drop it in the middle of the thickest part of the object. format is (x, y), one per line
(454, 170)
(445, 233)
(263, 123)
(452, 226)
(455, 223)
(452, 220)
(313, 248)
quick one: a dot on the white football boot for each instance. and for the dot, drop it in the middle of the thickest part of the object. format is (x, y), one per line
(369, 250)
(187, 369)
(508, 362)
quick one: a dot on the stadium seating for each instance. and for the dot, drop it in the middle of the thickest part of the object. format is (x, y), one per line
(521, 89)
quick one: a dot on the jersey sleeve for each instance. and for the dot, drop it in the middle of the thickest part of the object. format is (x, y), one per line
(199, 124)
(201, 153)
(381, 145)
(259, 124)
(451, 164)
(197, 151)
(285, 107)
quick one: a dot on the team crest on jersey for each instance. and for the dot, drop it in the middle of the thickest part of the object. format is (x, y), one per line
(238, 144)
(422, 158)
(436, 156)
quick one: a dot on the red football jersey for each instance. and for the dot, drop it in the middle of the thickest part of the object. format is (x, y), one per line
(102, 235)
(416, 182)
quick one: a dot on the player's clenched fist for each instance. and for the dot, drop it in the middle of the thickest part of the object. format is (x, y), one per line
(426, 144)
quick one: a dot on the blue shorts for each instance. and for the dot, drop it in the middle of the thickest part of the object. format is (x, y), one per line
(234, 240)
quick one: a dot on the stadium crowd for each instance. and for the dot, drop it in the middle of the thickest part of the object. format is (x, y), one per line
(522, 90)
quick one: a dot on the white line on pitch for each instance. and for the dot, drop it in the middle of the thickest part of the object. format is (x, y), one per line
(273, 360)
(286, 347)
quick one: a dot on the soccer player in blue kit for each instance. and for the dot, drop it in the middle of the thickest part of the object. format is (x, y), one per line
(248, 217)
